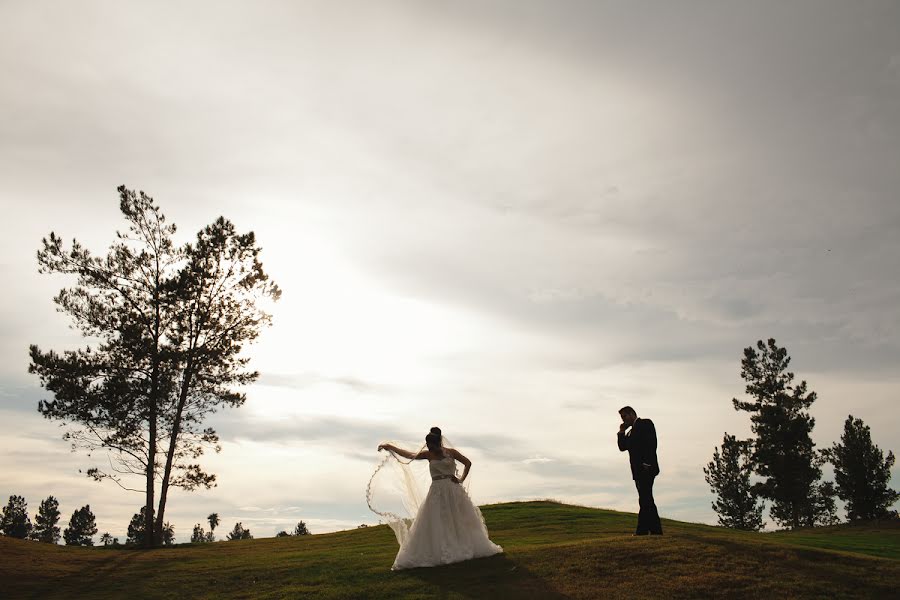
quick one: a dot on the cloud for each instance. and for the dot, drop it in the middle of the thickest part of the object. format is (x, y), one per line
(537, 459)
(332, 431)
(22, 397)
(307, 380)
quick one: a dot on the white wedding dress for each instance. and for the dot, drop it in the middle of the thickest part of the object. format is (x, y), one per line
(448, 527)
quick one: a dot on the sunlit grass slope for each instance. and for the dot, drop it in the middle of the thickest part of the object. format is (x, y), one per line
(552, 551)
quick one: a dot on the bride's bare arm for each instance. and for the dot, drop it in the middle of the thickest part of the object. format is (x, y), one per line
(404, 453)
(465, 461)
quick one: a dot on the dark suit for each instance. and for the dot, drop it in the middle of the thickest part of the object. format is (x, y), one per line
(641, 445)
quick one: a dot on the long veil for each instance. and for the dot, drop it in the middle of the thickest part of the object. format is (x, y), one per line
(397, 488)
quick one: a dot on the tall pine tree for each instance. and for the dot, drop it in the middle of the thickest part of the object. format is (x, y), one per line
(784, 454)
(862, 473)
(170, 323)
(14, 521)
(82, 528)
(46, 522)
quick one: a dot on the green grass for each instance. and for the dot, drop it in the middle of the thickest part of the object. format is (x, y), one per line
(875, 539)
(551, 551)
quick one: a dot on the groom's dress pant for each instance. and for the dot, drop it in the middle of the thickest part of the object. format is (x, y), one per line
(648, 517)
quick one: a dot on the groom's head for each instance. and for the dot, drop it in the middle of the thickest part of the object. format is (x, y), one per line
(629, 416)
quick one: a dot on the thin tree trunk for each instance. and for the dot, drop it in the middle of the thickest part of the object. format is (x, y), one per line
(149, 541)
(149, 537)
(173, 443)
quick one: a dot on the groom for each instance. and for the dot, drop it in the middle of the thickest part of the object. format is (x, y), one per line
(641, 445)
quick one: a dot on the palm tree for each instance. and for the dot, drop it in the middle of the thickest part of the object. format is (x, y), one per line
(106, 539)
(213, 519)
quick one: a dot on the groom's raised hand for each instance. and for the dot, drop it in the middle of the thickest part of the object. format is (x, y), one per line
(623, 427)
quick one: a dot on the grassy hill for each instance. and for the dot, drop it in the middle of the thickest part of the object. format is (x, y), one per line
(551, 551)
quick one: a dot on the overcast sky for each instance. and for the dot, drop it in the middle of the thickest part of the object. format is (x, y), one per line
(505, 218)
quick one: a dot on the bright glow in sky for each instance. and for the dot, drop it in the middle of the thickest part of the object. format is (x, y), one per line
(507, 219)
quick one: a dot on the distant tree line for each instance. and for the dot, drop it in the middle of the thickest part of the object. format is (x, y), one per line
(780, 466)
(299, 529)
(15, 522)
(199, 536)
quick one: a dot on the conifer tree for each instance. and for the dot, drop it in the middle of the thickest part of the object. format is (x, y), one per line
(137, 529)
(82, 528)
(239, 533)
(728, 476)
(46, 522)
(783, 453)
(171, 322)
(862, 473)
(14, 520)
(198, 536)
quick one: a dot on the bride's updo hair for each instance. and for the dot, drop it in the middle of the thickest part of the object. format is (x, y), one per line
(436, 431)
(433, 441)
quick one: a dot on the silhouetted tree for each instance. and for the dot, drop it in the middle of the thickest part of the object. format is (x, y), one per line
(213, 520)
(168, 534)
(46, 522)
(106, 539)
(239, 533)
(171, 322)
(862, 473)
(728, 476)
(198, 536)
(784, 454)
(137, 529)
(14, 520)
(82, 528)
(282, 533)
(300, 529)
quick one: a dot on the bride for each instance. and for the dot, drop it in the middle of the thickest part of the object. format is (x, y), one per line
(447, 527)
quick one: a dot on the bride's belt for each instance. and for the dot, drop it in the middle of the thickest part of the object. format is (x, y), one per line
(438, 477)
